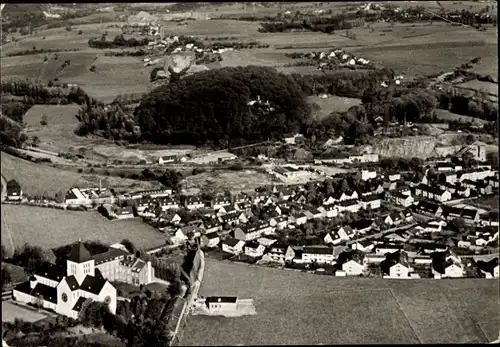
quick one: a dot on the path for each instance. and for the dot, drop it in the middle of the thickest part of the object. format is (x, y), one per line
(406, 226)
(6, 230)
(4, 187)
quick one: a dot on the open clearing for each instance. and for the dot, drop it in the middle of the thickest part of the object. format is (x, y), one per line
(343, 310)
(238, 181)
(50, 228)
(11, 311)
(487, 87)
(333, 103)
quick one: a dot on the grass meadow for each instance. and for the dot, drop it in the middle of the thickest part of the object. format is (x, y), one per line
(298, 308)
(51, 228)
(37, 179)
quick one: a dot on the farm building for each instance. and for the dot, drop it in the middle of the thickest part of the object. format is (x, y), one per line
(14, 191)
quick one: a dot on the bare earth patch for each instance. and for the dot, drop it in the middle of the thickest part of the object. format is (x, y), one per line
(236, 181)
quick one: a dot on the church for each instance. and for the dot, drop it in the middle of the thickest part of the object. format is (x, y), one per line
(65, 290)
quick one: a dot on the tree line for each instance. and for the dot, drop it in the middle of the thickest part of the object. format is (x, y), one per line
(118, 41)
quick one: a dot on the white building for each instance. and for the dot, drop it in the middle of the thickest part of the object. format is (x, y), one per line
(366, 175)
(65, 291)
(318, 254)
(75, 196)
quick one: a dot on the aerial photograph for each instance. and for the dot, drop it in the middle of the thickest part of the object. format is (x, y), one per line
(249, 173)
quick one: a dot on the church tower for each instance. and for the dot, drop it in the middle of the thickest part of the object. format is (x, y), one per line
(80, 262)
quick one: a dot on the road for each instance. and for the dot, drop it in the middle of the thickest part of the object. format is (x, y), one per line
(406, 226)
(4, 187)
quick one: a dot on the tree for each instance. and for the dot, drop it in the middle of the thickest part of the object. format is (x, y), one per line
(492, 159)
(458, 224)
(129, 245)
(39, 301)
(44, 120)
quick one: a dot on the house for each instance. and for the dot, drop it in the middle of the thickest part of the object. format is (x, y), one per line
(349, 206)
(397, 236)
(396, 265)
(279, 223)
(221, 304)
(75, 196)
(432, 193)
(400, 199)
(243, 206)
(396, 218)
(366, 175)
(300, 218)
(372, 258)
(286, 193)
(14, 191)
(118, 264)
(363, 226)
(430, 248)
(225, 209)
(166, 159)
(266, 242)
(447, 265)
(194, 202)
(429, 209)
(429, 228)
(407, 215)
(125, 212)
(363, 245)
(167, 203)
(329, 200)
(232, 246)
(353, 262)
(254, 249)
(492, 181)
(210, 240)
(385, 248)
(448, 177)
(170, 216)
(220, 201)
(211, 225)
(329, 211)
(394, 176)
(489, 269)
(251, 232)
(318, 254)
(315, 213)
(279, 253)
(65, 290)
(371, 201)
(230, 218)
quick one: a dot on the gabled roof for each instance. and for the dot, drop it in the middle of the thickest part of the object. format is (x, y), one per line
(317, 250)
(48, 293)
(51, 271)
(79, 254)
(231, 242)
(72, 283)
(92, 284)
(111, 254)
(79, 304)
(212, 235)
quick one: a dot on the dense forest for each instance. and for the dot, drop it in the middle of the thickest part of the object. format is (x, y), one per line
(212, 107)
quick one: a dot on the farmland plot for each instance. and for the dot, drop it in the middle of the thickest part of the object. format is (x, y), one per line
(53, 228)
(298, 308)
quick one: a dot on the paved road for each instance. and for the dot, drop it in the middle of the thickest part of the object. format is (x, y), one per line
(406, 226)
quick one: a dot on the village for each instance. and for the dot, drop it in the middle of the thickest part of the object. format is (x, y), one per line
(368, 223)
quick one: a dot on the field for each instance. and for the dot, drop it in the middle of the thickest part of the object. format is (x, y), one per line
(487, 87)
(448, 116)
(333, 104)
(50, 228)
(36, 179)
(245, 181)
(11, 311)
(343, 310)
